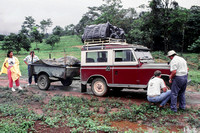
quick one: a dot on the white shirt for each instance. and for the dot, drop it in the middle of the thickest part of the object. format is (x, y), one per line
(154, 86)
(28, 59)
(180, 65)
(11, 61)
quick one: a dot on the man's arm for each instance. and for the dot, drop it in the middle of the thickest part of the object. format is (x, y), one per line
(25, 62)
(173, 73)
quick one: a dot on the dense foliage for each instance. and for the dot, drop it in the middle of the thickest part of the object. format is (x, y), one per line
(16, 42)
(164, 26)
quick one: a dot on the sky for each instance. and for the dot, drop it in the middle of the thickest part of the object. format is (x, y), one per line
(61, 12)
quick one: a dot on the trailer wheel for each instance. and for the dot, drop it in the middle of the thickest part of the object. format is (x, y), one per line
(66, 82)
(99, 87)
(43, 82)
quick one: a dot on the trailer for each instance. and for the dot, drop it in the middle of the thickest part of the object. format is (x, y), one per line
(49, 71)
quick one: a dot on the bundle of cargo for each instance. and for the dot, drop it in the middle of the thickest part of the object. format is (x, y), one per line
(102, 31)
(64, 61)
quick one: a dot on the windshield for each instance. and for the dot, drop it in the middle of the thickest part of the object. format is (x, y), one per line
(143, 54)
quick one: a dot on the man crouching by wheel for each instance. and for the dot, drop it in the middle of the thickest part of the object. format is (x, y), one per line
(154, 94)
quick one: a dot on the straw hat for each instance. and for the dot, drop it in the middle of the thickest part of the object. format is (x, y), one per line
(171, 52)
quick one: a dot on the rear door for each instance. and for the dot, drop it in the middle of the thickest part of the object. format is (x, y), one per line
(96, 63)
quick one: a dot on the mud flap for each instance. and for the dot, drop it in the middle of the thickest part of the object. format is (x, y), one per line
(83, 88)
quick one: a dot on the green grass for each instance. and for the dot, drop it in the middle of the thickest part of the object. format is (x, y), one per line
(67, 43)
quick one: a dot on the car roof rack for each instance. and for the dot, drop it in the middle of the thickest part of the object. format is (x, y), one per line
(104, 41)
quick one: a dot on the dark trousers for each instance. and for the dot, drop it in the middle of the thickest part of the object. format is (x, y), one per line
(178, 88)
(30, 75)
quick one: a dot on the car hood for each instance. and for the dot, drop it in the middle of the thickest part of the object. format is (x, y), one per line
(156, 65)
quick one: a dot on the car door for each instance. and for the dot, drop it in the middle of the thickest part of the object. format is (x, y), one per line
(125, 68)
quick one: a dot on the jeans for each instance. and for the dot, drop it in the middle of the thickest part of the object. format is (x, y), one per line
(178, 88)
(30, 75)
(163, 98)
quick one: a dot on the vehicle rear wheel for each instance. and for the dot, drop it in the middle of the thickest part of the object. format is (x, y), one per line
(43, 82)
(99, 87)
(66, 82)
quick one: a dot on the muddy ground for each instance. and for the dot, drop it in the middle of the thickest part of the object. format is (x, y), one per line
(134, 96)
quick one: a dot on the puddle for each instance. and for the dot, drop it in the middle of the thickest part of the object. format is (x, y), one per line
(127, 125)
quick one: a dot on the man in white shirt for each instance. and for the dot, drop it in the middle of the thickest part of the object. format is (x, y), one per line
(155, 86)
(29, 60)
(178, 78)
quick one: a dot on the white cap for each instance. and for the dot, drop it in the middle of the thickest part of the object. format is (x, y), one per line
(171, 52)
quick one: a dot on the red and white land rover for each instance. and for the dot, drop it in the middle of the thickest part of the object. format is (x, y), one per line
(115, 65)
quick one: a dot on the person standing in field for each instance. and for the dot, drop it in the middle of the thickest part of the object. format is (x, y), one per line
(29, 60)
(155, 86)
(11, 68)
(178, 78)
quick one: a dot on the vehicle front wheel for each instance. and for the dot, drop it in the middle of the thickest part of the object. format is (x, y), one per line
(99, 87)
(43, 82)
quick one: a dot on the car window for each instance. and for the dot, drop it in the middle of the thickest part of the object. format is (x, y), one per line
(98, 56)
(124, 56)
(143, 55)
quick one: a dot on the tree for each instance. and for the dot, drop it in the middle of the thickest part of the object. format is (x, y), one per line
(52, 40)
(195, 47)
(28, 25)
(2, 37)
(165, 24)
(9, 42)
(44, 24)
(192, 26)
(139, 36)
(112, 12)
(15, 42)
(177, 24)
(36, 36)
(24, 41)
(69, 29)
(58, 31)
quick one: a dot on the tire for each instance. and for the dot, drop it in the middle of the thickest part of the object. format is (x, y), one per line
(66, 82)
(99, 87)
(166, 80)
(43, 82)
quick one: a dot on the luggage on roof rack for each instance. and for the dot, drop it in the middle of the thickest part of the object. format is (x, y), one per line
(102, 31)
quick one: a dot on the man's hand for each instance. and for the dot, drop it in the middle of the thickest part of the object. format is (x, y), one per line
(164, 89)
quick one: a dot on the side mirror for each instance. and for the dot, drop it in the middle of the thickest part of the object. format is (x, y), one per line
(139, 62)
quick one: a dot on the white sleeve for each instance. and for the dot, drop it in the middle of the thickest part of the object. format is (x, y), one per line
(173, 66)
(162, 84)
(26, 58)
